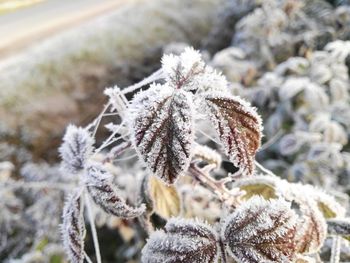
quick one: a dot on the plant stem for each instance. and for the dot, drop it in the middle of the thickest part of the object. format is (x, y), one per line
(223, 252)
(93, 228)
(216, 186)
(265, 170)
(117, 150)
(335, 253)
(153, 77)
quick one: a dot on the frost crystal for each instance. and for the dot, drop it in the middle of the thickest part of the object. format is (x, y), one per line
(261, 231)
(183, 240)
(73, 228)
(239, 127)
(76, 149)
(162, 129)
(106, 196)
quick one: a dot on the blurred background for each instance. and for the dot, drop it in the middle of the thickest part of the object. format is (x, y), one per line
(289, 58)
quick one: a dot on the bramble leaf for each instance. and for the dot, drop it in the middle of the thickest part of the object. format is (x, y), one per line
(183, 240)
(73, 228)
(162, 130)
(239, 128)
(75, 149)
(106, 196)
(261, 231)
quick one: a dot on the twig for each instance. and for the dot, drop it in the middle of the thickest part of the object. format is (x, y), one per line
(87, 257)
(153, 77)
(265, 170)
(335, 253)
(97, 121)
(117, 150)
(93, 228)
(218, 187)
(271, 141)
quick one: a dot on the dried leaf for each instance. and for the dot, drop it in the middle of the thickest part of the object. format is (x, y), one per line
(105, 195)
(183, 240)
(264, 186)
(166, 200)
(73, 228)
(261, 231)
(239, 128)
(162, 129)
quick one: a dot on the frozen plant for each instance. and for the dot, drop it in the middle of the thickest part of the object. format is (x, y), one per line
(258, 218)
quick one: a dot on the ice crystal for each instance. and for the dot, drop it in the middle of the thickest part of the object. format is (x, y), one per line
(73, 228)
(76, 148)
(239, 127)
(105, 194)
(162, 130)
(261, 231)
(183, 240)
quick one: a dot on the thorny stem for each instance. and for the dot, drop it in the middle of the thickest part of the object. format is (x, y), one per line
(218, 187)
(335, 253)
(93, 228)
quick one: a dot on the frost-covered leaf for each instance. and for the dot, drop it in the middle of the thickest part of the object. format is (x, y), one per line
(189, 72)
(183, 240)
(75, 149)
(73, 228)
(165, 199)
(162, 130)
(261, 231)
(105, 194)
(239, 127)
(312, 228)
(339, 226)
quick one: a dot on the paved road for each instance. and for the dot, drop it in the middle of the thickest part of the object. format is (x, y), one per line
(23, 27)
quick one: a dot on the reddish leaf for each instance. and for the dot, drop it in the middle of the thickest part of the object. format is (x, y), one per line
(163, 131)
(239, 127)
(261, 231)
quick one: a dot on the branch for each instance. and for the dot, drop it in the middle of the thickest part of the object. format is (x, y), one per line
(153, 77)
(93, 228)
(217, 187)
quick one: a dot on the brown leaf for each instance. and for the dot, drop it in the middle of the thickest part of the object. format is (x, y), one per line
(261, 231)
(239, 128)
(162, 130)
